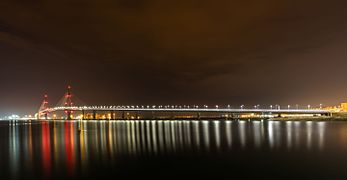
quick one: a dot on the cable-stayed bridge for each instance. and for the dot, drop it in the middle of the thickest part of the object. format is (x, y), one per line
(70, 111)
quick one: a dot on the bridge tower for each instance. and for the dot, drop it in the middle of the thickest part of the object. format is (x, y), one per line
(43, 107)
(68, 103)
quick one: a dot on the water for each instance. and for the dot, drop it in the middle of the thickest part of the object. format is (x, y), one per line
(176, 149)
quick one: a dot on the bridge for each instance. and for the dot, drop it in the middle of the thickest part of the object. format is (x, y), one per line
(167, 112)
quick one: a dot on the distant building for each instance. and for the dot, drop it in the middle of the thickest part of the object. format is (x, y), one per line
(333, 108)
(343, 106)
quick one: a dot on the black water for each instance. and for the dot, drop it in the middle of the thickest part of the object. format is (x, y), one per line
(173, 149)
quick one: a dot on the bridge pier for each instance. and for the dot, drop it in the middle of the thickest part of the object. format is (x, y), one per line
(123, 115)
(94, 115)
(327, 114)
(68, 115)
(198, 115)
(83, 115)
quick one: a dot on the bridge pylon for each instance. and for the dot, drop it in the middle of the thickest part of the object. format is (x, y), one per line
(68, 103)
(44, 106)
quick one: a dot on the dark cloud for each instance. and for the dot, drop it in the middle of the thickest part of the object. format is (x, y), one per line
(155, 51)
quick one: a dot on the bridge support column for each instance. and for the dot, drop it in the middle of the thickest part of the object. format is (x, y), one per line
(83, 115)
(94, 115)
(123, 115)
(327, 114)
(198, 115)
(68, 115)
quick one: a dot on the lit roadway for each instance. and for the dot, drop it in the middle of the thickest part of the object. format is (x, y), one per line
(220, 110)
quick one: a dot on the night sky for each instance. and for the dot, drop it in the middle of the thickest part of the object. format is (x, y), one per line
(173, 52)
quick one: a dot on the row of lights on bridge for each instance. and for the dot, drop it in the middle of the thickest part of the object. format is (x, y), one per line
(194, 107)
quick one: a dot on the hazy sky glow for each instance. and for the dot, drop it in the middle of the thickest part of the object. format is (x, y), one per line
(173, 52)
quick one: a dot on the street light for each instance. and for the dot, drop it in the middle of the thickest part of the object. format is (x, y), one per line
(278, 107)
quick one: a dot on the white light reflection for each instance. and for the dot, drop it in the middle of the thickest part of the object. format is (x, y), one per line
(257, 134)
(133, 137)
(148, 135)
(196, 133)
(216, 125)
(161, 136)
(187, 133)
(289, 129)
(309, 134)
(206, 134)
(138, 136)
(297, 133)
(14, 149)
(180, 134)
(126, 129)
(173, 134)
(154, 137)
(103, 138)
(242, 133)
(271, 134)
(228, 133)
(321, 135)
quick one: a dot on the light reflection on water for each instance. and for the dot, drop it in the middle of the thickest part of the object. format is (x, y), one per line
(75, 146)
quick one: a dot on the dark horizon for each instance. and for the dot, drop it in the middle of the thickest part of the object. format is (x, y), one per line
(154, 52)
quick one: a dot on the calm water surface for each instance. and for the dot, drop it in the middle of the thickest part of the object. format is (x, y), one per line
(173, 149)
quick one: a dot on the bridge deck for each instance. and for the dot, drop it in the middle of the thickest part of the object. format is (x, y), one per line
(222, 110)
